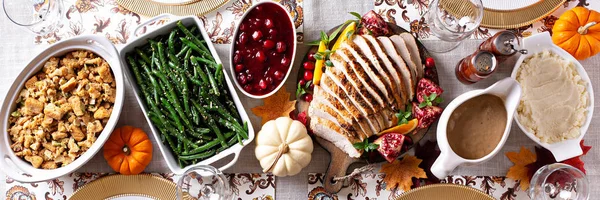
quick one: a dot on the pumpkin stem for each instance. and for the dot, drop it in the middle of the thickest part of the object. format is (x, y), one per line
(584, 29)
(126, 150)
(283, 149)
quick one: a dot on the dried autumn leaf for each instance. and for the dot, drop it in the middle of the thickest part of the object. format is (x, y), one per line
(400, 173)
(520, 171)
(277, 105)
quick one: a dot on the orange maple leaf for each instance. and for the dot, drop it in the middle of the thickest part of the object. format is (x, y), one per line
(520, 171)
(277, 105)
(400, 173)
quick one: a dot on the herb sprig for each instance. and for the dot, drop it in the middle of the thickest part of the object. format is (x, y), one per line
(429, 100)
(365, 145)
(404, 116)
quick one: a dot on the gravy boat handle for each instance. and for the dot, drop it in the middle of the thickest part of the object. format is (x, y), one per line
(444, 164)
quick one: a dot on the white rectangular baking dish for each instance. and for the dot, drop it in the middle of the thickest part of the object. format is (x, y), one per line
(165, 150)
(16, 167)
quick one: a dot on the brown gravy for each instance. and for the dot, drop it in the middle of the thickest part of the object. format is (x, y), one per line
(476, 127)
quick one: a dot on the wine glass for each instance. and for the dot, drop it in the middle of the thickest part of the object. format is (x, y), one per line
(39, 16)
(452, 21)
(203, 182)
(558, 181)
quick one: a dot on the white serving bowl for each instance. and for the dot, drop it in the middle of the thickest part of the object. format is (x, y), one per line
(568, 148)
(21, 170)
(232, 50)
(164, 149)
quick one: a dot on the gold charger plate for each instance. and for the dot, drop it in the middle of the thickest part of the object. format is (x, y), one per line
(114, 186)
(515, 18)
(180, 8)
(446, 192)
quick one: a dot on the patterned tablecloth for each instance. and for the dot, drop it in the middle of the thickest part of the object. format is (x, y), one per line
(106, 18)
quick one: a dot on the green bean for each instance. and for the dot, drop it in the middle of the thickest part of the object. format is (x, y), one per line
(208, 145)
(194, 47)
(239, 139)
(157, 120)
(230, 143)
(213, 83)
(161, 55)
(172, 113)
(203, 75)
(195, 117)
(205, 61)
(154, 84)
(202, 155)
(239, 130)
(211, 123)
(186, 60)
(172, 96)
(183, 51)
(171, 41)
(191, 35)
(219, 75)
(142, 55)
(136, 72)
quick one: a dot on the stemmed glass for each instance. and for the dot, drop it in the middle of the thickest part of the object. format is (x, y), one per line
(452, 21)
(39, 16)
(558, 181)
(203, 182)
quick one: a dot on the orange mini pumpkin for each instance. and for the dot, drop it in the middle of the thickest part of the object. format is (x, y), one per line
(577, 32)
(128, 150)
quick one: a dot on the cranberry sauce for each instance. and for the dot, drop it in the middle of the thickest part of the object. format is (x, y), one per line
(263, 49)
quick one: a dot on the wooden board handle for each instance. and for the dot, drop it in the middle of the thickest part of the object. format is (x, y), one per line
(338, 166)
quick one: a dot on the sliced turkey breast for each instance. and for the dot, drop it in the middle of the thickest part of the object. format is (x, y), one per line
(415, 55)
(371, 72)
(319, 108)
(369, 52)
(334, 90)
(339, 137)
(391, 68)
(355, 72)
(325, 98)
(406, 55)
(407, 78)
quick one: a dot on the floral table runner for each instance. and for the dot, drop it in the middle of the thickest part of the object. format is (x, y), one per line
(106, 17)
(372, 186)
(407, 14)
(244, 186)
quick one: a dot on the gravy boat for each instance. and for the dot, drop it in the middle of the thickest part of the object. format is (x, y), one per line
(509, 91)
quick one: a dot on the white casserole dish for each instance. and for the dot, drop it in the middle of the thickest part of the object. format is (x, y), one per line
(165, 150)
(16, 167)
(568, 148)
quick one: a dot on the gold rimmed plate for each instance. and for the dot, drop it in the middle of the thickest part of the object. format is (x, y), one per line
(446, 192)
(502, 14)
(123, 187)
(153, 8)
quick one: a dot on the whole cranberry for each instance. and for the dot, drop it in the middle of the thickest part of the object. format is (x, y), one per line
(285, 61)
(243, 27)
(311, 86)
(429, 62)
(308, 65)
(260, 56)
(269, 80)
(272, 33)
(308, 97)
(302, 82)
(279, 75)
(257, 35)
(311, 57)
(269, 23)
(237, 58)
(249, 78)
(308, 75)
(262, 84)
(248, 88)
(242, 79)
(268, 44)
(281, 47)
(243, 38)
(239, 68)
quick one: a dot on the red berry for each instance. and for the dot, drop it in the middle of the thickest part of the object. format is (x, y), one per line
(308, 97)
(262, 84)
(311, 57)
(243, 38)
(302, 82)
(269, 23)
(239, 68)
(272, 33)
(303, 118)
(257, 35)
(248, 88)
(269, 80)
(260, 56)
(279, 75)
(237, 58)
(285, 62)
(268, 44)
(311, 86)
(308, 75)
(249, 77)
(243, 27)
(308, 65)
(281, 47)
(429, 62)
(242, 79)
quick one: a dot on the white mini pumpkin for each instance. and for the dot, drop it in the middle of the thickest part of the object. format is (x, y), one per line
(283, 147)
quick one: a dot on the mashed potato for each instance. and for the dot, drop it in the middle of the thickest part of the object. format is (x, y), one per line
(554, 101)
